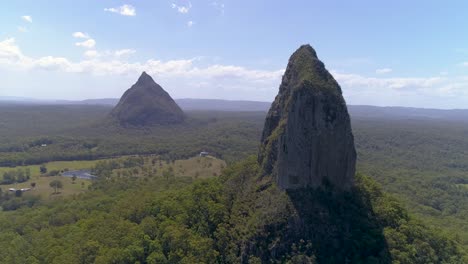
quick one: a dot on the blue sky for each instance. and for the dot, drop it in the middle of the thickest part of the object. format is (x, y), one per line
(406, 53)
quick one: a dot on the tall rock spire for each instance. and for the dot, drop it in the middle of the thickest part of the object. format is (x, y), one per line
(307, 139)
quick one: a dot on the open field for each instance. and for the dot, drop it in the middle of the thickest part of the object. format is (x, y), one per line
(196, 167)
(45, 192)
(54, 165)
(42, 189)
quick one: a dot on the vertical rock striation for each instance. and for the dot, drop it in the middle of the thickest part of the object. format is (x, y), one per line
(307, 139)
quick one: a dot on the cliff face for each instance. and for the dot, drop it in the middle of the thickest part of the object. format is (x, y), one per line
(146, 103)
(307, 139)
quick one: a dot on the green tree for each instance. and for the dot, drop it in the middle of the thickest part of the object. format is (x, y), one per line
(73, 179)
(56, 184)
(8, 178)
(168, 173)
(43, 169)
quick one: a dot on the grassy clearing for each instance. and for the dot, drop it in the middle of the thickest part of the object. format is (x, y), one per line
(43, 189)
(199, 167)
(196, 167)
(54, 165)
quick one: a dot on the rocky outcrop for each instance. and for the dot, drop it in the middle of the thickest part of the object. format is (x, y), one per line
(146, 103)
(307, 139)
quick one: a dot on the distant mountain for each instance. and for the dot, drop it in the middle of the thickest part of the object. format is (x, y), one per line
(188, 104)
(16, 98)
(367, 111)
(26, 100)
(146, 103)
(103, 101)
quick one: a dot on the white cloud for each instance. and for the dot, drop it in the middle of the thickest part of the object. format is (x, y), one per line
(236, 82)
(11, 54)
(432, 91)
(22, 29)
(27, 18)
(52, 63)
(109, 54)
(182, 9)
(383, 70)
(190, 23)
(88, 44)
(91, 53)
(80, 35)
(124, 10)
(9, 50)
(124, 52)
(465, 64)
(212, 79)
(356, 80)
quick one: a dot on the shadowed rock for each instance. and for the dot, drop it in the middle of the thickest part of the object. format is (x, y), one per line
(307, 139)
(146, 103)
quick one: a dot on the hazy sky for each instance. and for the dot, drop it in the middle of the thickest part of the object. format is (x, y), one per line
(408, 53)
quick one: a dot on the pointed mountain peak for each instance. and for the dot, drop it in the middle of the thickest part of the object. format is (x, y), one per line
(146, 103)
(306, 50)
(304, 66)
(145, 78)
(307, 140)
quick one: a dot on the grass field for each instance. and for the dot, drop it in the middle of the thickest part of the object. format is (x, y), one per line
(43, 189)
(196, 167)
(54, 165)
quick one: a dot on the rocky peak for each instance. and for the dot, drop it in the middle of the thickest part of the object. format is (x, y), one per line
(145, 79)
(307, 139)
(147, 103)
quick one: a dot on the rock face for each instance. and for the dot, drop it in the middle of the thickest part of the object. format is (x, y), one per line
(146, 103)
(307, 139)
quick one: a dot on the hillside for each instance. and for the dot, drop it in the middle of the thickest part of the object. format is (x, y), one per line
(146, 103)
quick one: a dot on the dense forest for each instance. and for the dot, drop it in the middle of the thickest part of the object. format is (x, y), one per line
(37, 134)
(155, 219)
(421, 162)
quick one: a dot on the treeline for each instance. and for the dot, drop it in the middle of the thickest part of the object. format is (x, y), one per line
(179, 220)
(229, 136)
(16, 176)
(11, 201)
(422, 162)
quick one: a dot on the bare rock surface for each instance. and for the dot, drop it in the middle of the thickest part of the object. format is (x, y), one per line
(147, 103)
(307, 140)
